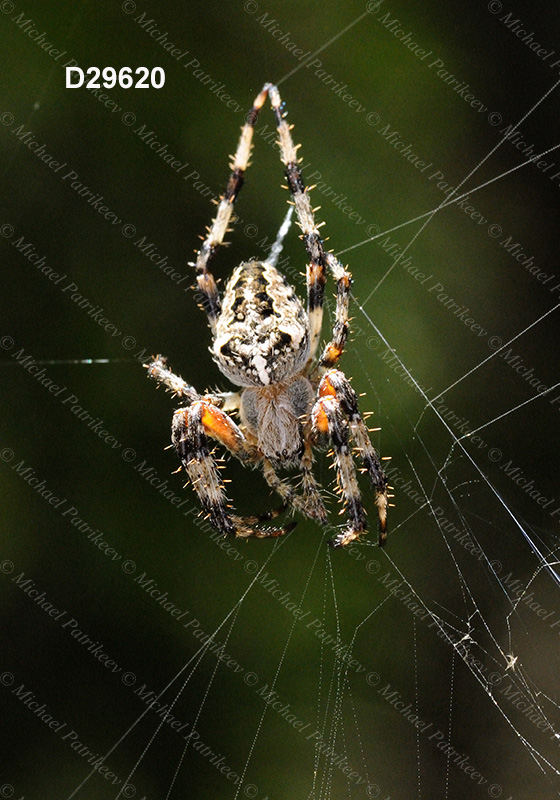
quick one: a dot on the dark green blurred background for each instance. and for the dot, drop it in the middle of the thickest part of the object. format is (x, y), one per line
(235, 45)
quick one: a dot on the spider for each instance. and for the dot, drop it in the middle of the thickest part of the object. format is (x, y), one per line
(266, 343)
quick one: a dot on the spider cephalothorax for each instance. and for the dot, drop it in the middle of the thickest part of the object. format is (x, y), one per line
(265, 342)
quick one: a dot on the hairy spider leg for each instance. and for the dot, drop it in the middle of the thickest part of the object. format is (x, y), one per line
(315, 506)
(202, 469)
(334, 349)
(190, 431)
(316, 269)
(210, 297)
(330, 423)
(336, 385)
(288, 495)
(159, 371)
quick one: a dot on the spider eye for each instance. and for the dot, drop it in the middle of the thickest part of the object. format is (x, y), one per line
(225, 349)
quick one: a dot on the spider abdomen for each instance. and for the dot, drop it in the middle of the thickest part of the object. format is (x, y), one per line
(262, 333)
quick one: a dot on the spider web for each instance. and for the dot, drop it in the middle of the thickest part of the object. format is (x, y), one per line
(420, 668)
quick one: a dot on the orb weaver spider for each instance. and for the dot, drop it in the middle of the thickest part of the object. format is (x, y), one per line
(265, 343)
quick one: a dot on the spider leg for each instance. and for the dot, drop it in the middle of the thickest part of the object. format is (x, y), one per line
(333, 350)
(190, 431)
(157, 369)
(291, 498)
(316, 269)
(329, 423)
(210, 298)
(315, 506)
(336, 387)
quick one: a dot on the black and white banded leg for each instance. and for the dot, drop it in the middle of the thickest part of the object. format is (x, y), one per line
(334, 349)
(210, 297)
(335, 416)
(330, 425)
(316, 269)
(319, 259)
(159, 371)
(191, 429)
